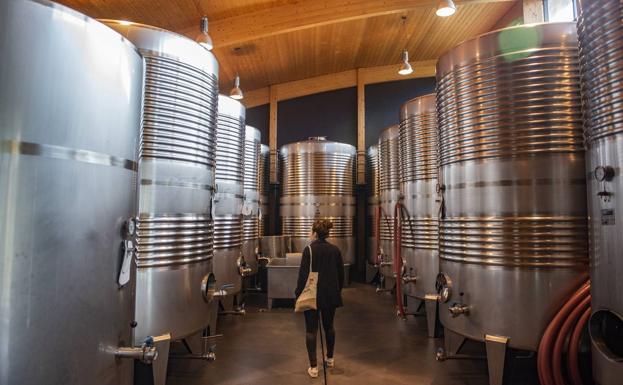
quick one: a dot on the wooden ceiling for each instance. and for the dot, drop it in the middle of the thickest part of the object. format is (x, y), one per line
(275, 41)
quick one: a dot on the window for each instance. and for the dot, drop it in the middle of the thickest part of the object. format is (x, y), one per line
(560, 10)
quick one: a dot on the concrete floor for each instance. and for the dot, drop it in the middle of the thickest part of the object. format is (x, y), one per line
(373, 347)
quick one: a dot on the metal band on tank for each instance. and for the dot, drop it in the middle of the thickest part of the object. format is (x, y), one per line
(59, 152)
(197, 186)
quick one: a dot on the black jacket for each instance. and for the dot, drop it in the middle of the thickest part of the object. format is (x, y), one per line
(327, 261)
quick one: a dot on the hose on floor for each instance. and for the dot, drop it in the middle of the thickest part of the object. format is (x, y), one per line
(567, 323)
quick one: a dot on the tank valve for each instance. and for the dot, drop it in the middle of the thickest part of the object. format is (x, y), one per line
(145, 353)
(458, 309)
(409, 279)
(243, 268)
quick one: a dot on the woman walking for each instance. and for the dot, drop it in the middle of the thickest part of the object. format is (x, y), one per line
(327, 261)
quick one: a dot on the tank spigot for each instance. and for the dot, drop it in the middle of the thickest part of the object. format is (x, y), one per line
(145, 353)
(409, 279)
(243, 268)
(458, 309)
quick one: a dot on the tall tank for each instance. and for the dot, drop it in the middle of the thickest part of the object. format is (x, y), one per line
(228, 200)
(389, 187)
(601, 32)
(251, 207)
(418, 185)
(264, 188)
(68, 140)
(318, 183)
(175, 233)
(373, 194)
(513, 228)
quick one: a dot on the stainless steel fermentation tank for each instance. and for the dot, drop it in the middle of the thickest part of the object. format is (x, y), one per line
(318, 183)
(513, 230)
(601, 34)
(264, 188)
(389, 187)
(230, 137)
(420, 201)
(251, 208)
(373, 195)
(175, 232)
(68, 139)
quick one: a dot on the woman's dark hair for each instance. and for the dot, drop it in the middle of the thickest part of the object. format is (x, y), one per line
(322, 227)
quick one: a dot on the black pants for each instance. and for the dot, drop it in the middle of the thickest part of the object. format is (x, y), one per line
(311, 331)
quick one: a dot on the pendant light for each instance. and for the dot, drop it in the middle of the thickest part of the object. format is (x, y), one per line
(203, 38)
(405, 67)
(236, 92)
(445, 8)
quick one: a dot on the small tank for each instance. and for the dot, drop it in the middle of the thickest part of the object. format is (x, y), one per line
(251, 212)
(70, 112)
(229, 197)
(318, 183)
(601, 32)
(389, 188)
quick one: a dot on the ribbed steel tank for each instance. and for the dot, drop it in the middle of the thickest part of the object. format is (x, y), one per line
(251, 207)
(389, 188)
(318, 183)
(230, 133)
(513, 228)
(373, 193)
(68, 140)
(264, 188)
(601, 34)
(421, 202)
(175, 233)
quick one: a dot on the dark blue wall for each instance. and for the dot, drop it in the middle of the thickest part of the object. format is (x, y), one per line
(383, 101)
(334, 114)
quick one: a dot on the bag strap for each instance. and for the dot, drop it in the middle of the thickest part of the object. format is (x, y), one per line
(310, 258)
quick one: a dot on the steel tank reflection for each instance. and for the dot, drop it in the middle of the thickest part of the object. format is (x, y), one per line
(230, 134)
(318, 183)
(389, 187)
(601, 32)
(513, 233)
(68, 140)
(175, 232)
(373, 193)
(418, 185)
(251, 207)
(264, 188)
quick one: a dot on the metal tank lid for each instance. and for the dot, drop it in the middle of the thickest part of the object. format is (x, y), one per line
(513, 43)
(166, 43)
(317, 144)
(264, 149)
(252, 133)
(373, 150)
(389, 133)
(230, 107)
(420, 105)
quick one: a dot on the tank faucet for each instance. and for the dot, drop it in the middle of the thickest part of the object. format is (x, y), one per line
(146, 353)
(457, 309)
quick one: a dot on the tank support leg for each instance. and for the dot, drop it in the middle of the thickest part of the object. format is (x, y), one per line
(453, 343)
(496, 358)
(159, 366)
(432, 313)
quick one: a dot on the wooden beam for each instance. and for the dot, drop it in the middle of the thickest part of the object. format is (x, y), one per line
(361, 128)
(533, 11)
(336, 81)
(272, 137)
(304, 14)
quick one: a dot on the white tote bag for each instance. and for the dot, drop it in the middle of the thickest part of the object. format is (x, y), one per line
(307, 299)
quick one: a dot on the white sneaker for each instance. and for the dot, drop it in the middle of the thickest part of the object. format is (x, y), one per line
(313, 372)
(330, 362)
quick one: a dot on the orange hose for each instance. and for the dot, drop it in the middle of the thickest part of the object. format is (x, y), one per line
(544, 359)
(566, 328)
(574, 343)
(398, 258)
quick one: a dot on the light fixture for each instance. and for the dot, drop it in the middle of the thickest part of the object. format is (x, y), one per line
(203, 38)
(405, 67)
(236, 92)
(445, 8)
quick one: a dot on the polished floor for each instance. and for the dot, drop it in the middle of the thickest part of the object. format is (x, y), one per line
(373, 347)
